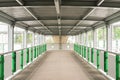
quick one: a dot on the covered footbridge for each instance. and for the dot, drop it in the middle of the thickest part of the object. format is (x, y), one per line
(59, 39)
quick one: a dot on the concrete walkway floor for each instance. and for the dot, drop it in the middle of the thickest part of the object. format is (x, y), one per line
(59, 65)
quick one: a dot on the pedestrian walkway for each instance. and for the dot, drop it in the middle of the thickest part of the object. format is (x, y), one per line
(60, 65)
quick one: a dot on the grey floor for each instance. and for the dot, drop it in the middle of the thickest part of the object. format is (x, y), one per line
(60, 65)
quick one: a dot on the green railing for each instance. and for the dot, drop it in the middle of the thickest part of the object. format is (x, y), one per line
(101, 59)
(19, 59)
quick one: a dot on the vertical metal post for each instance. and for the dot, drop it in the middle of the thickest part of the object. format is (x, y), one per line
(21, 59)
(11, 37)
(117, 67)
(1, 67)
(108, 37)
(37, 51)
(94, 38)
(33, 39)
(106, 61)
(98, 59)
(25, 39)
(84, 51)
(92, 55)
(34, 52)
(13, 61)
(27, 57)
(88, 54)
(31, 54)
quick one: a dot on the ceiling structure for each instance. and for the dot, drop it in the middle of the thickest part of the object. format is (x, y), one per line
(59, 17)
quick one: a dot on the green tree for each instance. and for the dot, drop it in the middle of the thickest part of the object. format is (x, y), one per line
(116, 32)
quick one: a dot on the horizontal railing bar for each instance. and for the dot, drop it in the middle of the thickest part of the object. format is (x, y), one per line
(110, 52)
(16, 50)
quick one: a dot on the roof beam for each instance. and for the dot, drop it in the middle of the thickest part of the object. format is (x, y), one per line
(88, 13)
(58, 10)
(62, 26)
(21, 3)
(85, 4)
(49, 18)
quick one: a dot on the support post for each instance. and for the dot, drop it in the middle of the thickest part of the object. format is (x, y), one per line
(92, 55)
(31, 54)
(27, 57)
(11, 37)
(106, 61)
(117, 67)
(34, 52)
(108, 37)
(1, 67)
(25, 39)
(21, 59)
(98, 59)
(88, 54)
(13, 62)
(94, 38)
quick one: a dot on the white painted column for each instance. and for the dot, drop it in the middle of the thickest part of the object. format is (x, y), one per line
(11, 37)
(108, 37)
(25, 39)
(94, 38)
(86, 42)
(33, 39)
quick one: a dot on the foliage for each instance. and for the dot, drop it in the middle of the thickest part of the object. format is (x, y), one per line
(116, 31)
(101, 33)
(18, 38)
(29, 38)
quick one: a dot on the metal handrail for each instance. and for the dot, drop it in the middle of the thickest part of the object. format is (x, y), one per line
(4, 53)
(110, 52)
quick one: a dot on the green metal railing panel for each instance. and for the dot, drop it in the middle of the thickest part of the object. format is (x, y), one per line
(1, 67)
(106, 61)
(27, 55)
(34, 52)
(117, 67)
(13, 61)
(82, 51)
(31, 54)
(45, 47)
(98, 59)
(92, 55)
(85, 52)
(88, 55)
(21, 59)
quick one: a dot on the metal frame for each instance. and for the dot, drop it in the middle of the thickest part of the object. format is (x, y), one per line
(84, 4)
(21, 3)
(88, 13)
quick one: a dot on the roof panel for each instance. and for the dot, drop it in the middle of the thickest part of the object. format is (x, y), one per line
(102, 13)
(74, 12)
(31, 22)
(16, 12)
(50, 22)
(69, 22)
(44, 11)
(88, 23)
(112, 0)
